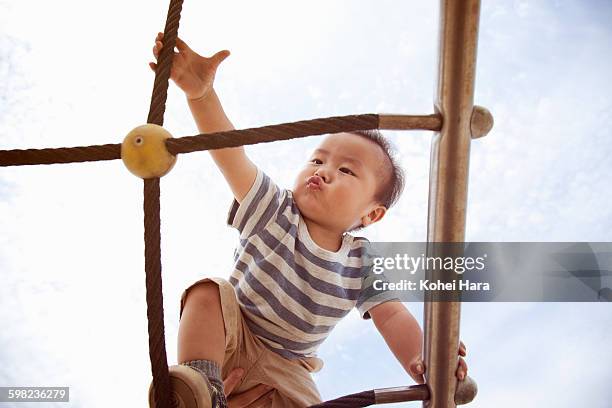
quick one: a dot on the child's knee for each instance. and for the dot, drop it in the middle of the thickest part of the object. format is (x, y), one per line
(204, 294)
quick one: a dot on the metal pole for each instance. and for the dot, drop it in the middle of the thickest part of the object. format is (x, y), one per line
(409, 122)
(449, 166)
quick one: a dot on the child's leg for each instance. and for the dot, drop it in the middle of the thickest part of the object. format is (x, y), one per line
(201, 333)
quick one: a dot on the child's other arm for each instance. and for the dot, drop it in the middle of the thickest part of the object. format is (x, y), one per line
(401, 332)
(404, 337)
(195, 74)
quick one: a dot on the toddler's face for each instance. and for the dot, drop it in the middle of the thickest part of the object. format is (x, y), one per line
(336, 187)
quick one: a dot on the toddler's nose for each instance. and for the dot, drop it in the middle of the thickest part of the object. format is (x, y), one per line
(322, 175)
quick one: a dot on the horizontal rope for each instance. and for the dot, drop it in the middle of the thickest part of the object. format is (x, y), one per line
(188, 144)
(284, 131)
(232, 138)
(60, 155)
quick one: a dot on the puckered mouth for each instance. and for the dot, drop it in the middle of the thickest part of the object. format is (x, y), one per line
(314, 182)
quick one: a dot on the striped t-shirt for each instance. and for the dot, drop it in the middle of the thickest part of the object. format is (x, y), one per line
(291, 291)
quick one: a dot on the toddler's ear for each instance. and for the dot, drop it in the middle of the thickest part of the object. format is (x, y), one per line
(374, 216)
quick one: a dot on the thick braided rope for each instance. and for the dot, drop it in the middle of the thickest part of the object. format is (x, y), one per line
(155, 306)
(152, 223)
(81, 154)
(271, 133)
(187, 144)
(233, 138)
(164, 64)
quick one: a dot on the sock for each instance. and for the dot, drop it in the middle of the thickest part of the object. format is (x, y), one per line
(212, 372)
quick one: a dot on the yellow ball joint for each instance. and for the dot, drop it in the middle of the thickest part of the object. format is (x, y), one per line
(144, 152)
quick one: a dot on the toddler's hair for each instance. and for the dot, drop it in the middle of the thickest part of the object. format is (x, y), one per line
(390, 190)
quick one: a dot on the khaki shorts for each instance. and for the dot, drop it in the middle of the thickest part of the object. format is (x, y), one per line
(293, 383)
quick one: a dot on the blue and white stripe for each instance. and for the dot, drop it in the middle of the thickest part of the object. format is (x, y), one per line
(291, 292)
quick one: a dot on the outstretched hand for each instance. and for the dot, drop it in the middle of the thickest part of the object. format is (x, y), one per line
(191, 72)
(417, 367)
(256, 397)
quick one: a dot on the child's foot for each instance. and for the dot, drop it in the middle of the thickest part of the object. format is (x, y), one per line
(190, 389)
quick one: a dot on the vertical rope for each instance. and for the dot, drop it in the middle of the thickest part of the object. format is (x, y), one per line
(164, 64)
(155, 303)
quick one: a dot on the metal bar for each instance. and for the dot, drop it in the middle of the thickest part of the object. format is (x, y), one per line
(449, 166)
(401, 394)
(410, 122)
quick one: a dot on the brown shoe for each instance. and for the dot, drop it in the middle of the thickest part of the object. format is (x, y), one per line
(190, 389)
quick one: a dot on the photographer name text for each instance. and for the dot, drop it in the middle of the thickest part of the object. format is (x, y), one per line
(427, 285)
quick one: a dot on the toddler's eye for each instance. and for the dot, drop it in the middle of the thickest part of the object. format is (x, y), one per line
(315, 161)
(347, 171)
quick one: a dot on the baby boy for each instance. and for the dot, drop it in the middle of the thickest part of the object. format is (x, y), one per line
(298, 270)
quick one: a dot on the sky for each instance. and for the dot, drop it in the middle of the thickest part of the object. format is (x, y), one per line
(72, 299)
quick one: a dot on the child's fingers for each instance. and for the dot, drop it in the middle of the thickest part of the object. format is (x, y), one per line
(418, 369)
(156, 48)
(219, 57)
(462, 349)
(180, 44)
(420, 379)
(461, 369)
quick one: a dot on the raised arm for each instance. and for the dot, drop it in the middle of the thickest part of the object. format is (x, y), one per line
(195, 75)
(238, 170)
